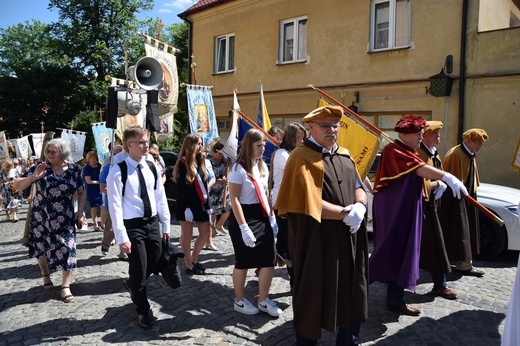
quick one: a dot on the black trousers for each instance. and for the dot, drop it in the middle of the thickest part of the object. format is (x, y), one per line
(146, 238)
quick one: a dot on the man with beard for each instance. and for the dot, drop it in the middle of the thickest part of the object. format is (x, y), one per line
(322, 197)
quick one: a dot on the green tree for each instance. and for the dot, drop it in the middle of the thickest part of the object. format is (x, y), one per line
(36, 84)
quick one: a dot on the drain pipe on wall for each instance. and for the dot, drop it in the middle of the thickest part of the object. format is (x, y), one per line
(462, 80)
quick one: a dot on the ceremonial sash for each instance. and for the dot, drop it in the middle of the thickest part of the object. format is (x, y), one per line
(261, 196)
(199, 185)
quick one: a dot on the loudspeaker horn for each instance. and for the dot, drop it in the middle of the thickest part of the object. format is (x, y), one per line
(147, 73)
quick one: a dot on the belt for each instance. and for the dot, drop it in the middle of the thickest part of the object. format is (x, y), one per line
(142, 219)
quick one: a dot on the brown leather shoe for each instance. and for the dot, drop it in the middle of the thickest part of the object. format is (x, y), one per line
(405, 310)
(471, 272)
(445, 292)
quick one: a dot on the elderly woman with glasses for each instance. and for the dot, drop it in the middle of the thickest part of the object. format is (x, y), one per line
(52, 237)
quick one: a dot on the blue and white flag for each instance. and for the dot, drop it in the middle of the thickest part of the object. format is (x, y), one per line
(102, 137)
(202, 113)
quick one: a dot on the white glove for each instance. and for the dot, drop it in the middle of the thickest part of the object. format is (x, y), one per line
(356, 213)
(274, 225)
(188, 215)
(440, 189)
(455, 184)
(247, 235)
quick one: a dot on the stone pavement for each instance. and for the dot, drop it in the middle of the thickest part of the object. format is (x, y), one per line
(201, 312)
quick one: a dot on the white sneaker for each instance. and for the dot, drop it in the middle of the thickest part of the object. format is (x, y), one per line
(270, 307)
(244, 306)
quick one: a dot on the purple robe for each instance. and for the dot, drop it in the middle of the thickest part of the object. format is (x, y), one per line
(397, 214)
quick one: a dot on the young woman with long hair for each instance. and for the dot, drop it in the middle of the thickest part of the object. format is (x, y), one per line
(191, 176)
(250, 225)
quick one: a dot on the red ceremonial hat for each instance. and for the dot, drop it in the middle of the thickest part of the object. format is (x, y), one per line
(410, 124)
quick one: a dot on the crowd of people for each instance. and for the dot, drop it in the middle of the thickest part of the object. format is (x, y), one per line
(307, 211)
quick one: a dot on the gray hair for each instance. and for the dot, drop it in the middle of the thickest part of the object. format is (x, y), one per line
(62, 145)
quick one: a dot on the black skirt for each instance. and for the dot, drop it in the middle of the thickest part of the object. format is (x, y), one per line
(264, 253)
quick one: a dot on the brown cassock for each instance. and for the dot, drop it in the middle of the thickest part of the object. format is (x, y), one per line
(330, 265)
(459, 219)
(434, 258)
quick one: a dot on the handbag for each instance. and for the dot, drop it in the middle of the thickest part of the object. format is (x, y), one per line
(168, 265)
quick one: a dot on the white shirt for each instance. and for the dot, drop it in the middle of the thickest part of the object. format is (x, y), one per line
(130, 206)
(238, 175)
(278, 165)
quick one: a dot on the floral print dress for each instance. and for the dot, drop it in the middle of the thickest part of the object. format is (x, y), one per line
(52, 232)
(216, 192)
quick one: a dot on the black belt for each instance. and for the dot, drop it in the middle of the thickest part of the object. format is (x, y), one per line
(142, 219)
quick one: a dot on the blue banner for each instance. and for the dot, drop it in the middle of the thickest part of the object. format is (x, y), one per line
(202, 113)
(270, 147)
(102, 136)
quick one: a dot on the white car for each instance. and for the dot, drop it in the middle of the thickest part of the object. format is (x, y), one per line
(494, 239)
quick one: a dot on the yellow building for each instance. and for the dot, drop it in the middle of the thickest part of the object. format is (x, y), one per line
(377, 54)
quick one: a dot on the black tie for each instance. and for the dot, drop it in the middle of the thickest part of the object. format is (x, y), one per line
(144, 193)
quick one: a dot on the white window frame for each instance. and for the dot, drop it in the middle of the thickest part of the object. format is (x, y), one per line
(392, 24)
(297, 43)
(228, 54)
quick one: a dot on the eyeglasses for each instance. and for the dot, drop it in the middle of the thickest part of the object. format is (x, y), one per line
(334, 127)
(51, 152)
(141, 143)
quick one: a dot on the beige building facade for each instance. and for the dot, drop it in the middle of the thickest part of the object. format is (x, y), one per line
(375, 54)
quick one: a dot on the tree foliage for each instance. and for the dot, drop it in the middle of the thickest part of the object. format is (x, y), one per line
(56, 73)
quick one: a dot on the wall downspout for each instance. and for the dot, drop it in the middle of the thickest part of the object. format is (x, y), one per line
(462, 80)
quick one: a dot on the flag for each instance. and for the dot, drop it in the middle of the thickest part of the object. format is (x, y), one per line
(362, 144)
(230, 148)
(263, 116)
(102, 137)
(4, 149)
(270, 146)
(77, 143)
(201, 113)
(22, 147)
(37, 140)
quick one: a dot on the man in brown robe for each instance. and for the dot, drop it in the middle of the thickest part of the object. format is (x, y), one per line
(322, 197)
(459, 219)
(433, 258)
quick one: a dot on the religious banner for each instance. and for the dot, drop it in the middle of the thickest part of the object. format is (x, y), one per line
(169, 87)
(4, 151)
(76, 140)
(37, 140)
(201, 113)
(102, 137)
(22, 147)
(11, 148)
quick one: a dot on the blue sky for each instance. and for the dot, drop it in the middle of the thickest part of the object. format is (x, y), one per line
(18, 11)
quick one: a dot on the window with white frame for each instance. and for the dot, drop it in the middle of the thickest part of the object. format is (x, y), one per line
(225, 53)
(293, 40)
(390, 24)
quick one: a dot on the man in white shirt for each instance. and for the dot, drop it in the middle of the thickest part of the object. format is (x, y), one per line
(139, 216)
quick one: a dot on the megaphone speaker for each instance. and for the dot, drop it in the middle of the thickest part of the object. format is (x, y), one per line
(147, 73)
(128, 103)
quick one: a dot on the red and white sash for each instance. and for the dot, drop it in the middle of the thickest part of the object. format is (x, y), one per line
(261, 196)
(199, 184)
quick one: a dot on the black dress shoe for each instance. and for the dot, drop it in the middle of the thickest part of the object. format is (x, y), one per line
(144, 321)
(471, 272)
(405, 310)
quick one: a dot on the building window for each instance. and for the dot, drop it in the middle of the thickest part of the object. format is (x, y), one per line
(225, 53)
(498, 14)
(293, 40)
(390, 24)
